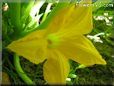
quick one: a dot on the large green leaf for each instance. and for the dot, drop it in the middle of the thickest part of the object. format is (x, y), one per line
(25, 11)
(14, 9)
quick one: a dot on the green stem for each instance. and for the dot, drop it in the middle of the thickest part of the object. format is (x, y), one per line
(20, 71)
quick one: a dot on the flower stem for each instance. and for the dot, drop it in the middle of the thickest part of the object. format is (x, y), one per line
(20, 71)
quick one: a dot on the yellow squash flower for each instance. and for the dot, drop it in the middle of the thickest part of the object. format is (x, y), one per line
(61, 40)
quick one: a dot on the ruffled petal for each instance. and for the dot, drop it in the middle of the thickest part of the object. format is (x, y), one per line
(56, 68)
(81, 50)
(73, 19)
(32, 47)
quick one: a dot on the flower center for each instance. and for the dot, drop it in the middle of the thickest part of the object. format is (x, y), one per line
(53, 40)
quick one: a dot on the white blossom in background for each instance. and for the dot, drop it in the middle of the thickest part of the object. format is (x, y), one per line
(96, 37)
(68, 79)
(35, 9)
(108, 19)
(74, 76)
(108, 22)
(112, 56)
(105, 14)
(99, 17)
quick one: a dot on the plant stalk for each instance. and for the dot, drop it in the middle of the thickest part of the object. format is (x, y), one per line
(20, 71)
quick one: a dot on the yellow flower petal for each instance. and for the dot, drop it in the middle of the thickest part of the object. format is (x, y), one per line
(32, 47)
(57, 21)
(81, 50)
(56, 68)
(77, 18)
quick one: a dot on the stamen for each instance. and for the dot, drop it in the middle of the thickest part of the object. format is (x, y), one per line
(53, 40)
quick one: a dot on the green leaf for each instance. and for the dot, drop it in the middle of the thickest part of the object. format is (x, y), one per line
(14, 9)
(26, 7)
